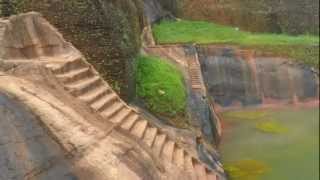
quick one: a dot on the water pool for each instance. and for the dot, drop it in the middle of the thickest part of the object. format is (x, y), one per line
(271, 144)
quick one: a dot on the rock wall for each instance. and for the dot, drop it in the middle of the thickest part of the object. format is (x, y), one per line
(107, 32)
(238, 77)
(279, 16)
(154, 12)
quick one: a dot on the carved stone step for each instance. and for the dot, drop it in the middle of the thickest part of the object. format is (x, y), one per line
(129, 122)
(200, 171)
(104, 101)
(158, 144)
(83, 86)
(168, 150)
(70, 65)
(95, 94)
(196, 83)
(75, 75)
(150, 135)
(178, 157)
(121, 115)
(111, 110)
(189, 167)
(139, 128)
(196, 87)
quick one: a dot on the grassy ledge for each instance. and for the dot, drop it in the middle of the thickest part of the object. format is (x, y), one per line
(304, 48)
(161, 86)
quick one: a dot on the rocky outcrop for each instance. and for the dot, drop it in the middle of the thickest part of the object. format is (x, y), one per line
(285, 16)
(101, 136)
(241, 77)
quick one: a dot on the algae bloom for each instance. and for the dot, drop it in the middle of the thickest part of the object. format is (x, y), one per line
(246, 169)
(271, 127)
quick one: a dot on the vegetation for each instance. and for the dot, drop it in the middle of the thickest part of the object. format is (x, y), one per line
(246, 169)
(161, 85)
(263, 120)
(271, 127)
(304, 47)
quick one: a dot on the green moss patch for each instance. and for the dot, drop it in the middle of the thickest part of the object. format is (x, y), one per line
(271, 127)
(161, 85)
(304, 48)
(246, 169)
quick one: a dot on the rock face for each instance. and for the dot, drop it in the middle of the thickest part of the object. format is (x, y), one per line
(239, 77)
(37, 38)
(111, 28)
(154, 11)
(285, 16)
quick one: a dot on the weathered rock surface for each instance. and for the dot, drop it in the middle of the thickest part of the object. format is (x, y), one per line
(241, 77)
(38, 39)
(154, 11)
(80, 151)
(94, 133)
(26, 150)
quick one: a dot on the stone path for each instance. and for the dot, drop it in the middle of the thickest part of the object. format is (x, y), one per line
(81, 80)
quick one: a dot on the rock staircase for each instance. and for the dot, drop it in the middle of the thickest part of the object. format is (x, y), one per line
(178, 54)
(83, 82)
(195, 73)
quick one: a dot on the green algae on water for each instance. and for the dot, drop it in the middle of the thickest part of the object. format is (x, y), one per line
(246, 169)
(245, 115)
(271, 127)
(291, 155)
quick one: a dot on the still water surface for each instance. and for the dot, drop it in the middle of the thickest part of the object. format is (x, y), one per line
(271, 144)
